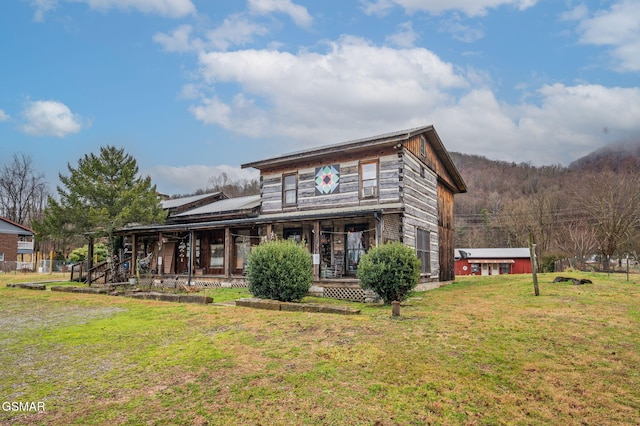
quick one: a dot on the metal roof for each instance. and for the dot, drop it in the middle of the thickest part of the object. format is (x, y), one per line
(178, 202)
(270, 218)
(493, 253)
(224, 206)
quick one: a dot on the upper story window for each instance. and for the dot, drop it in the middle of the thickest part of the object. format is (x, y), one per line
(423, 147)
(369, 179)
(290, 189)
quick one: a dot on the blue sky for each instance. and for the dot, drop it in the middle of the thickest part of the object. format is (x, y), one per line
(193, 88)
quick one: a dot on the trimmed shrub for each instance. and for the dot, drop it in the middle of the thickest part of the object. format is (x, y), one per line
(392, 270)
(279, 270)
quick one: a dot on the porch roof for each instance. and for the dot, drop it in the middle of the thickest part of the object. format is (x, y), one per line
(223, 206)
(183, 201)
(346, 212)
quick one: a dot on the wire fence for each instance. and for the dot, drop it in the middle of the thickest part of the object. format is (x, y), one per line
(42, 267)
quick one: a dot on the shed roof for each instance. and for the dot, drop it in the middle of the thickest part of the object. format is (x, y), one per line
(493, 253)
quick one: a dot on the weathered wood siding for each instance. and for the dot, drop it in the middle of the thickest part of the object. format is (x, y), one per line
(446, 232)
(389, 167)
(430, 158)
(420, 205)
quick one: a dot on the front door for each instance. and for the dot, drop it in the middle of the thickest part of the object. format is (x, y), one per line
(356, 246)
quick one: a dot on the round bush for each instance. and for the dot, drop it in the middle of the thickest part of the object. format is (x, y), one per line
(392, 270)
(279, 270)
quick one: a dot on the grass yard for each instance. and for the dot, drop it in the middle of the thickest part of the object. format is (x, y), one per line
(483, 350)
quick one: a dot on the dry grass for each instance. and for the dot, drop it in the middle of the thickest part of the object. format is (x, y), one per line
(480, 351)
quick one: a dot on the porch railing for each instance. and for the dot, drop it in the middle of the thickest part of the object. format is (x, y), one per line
(25, 245)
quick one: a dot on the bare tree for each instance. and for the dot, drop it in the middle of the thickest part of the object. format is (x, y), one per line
(23, 191)
(577, 240)
(612, 201)
(233, 188)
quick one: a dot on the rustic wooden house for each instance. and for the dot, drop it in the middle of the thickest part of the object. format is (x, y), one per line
(340, 200)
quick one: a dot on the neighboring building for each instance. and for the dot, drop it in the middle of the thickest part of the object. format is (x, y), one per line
(16, 246)
(340, 200)
(493, 261)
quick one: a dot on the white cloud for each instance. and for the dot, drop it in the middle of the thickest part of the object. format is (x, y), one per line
(349, 91)
(168, 8)
(404, 37)
(460, 31)
(179, 40)
(42, 7)
(353, 87)
(617, 28)
(3, 116)
(50, 118)
(468, 7)
(297, 13)
(188, 179)
(236, 30)
(568, 122)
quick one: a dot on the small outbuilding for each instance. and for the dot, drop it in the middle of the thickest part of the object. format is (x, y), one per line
(492, 261)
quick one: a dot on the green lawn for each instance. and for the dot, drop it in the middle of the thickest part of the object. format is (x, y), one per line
(483, 350)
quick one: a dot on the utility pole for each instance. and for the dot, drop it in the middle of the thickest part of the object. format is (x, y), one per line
(534, 266)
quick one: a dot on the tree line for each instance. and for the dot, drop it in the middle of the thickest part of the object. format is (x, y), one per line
(104, 191)
(571, 212)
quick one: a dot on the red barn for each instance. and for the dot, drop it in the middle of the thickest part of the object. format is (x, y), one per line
(492, 261)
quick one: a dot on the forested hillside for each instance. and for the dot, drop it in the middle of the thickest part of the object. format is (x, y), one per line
(592, 206)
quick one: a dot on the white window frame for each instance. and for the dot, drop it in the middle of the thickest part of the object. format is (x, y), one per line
(289, 191)
(368, 184)
(423, 250)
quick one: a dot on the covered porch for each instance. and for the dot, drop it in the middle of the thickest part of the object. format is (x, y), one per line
(215, 254)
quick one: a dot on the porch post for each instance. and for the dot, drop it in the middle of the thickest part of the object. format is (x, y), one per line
(227, 252)
(89, 260)
(192, 253)
(316, 250)
(160, 260)
(134, 256)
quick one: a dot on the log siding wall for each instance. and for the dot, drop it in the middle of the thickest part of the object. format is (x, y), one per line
(389, 167)
(420, 205)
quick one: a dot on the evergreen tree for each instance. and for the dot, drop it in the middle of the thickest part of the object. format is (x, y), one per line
(101, 194)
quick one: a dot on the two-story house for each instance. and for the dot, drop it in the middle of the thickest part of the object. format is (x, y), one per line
(16, 246)
(339, 200)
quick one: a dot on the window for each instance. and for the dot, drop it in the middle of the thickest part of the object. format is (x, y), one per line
(423, 147)
(242, 248)
(423, 250)
(294, 234)
(369, 179)
(1, 257)
(216, 252)
(290, 189)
